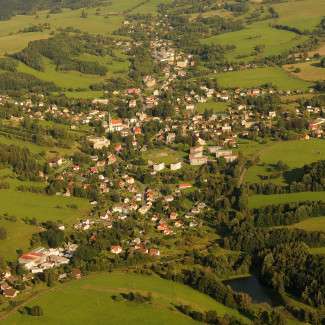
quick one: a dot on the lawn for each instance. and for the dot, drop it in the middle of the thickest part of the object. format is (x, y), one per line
(166, 155)
(275, 41)
(256, 77)
(257, 201)
(303, 14)
(89, 301)
(294, 153)
(216, 107)
(311, 224)
(19, 235)
(310, 71)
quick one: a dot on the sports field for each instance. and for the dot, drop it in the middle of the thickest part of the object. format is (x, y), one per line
(89, 301)
(260, 76)
(274, 41)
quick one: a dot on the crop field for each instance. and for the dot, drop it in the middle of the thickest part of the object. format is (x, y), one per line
(293, 153)
(259, 76)
(256, 201)
(310, 71)
(311, 224)
(89, 301)
(303, 14)
(19, 235)
(274, 41)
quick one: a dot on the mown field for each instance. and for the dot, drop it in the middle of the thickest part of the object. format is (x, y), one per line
(19, 235)
(311, 224)
(260, 76)
(274, 41)
(293, 153)
(215, 107)
(256, 201)
(89, 301)
(310, 71)
(302, 14)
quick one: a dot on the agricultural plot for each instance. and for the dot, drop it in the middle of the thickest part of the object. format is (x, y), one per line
(310, 71)
(19, 235)
(270, 40)
(304, 14)
(260, 76)
(293, 153)
(257, 201)
(89, 300)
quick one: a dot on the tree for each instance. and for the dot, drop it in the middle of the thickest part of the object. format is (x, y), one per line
(3, 233)
(36, 311)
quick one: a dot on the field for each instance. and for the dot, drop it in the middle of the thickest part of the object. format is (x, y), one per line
(304, 14)
(294, 153)
(216, 107)
(311, 224)
(310, 71)
(167, 156)
(18, 237)
(256, 201)
(259, 76)
(89, 301)
(40, 206)
(275, 41)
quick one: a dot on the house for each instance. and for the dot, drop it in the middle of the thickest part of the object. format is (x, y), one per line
(316, 124)
(76, 273)
(176, 166)
(198, 161)
(99, 143)
(154, 252)
(98, 101)
(116, 249)
(158, 167)
(10, 293)
(184, 186)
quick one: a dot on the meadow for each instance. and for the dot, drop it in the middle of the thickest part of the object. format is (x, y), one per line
(310, 71)
(303, 14)
(274, 41)
(293, 153)
(257, 201)
(166, 155)
(19, 235)
(311, 224)
(260, 76)
(89, 301)
(215, 107)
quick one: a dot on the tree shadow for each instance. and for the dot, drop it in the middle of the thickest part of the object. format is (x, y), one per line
(293, 175)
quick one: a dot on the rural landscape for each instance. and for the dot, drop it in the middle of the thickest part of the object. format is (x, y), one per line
(162, 162)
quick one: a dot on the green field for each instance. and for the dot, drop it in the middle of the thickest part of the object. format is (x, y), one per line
(89, 301)
(166, 155)
(257, 201)
(294, 153)
(216, 107)
(310, 71)
(275, 41)
(302, 14)
(19, 235)
(311, 224)
(259, 76)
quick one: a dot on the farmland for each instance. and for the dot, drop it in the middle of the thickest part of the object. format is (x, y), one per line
(293, 153)
(304, 15)
(274, 41)
(90, 301)
(310, 71)
(260, 76)
(256, 201)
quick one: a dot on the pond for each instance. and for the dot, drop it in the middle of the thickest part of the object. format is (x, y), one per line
(254, 288)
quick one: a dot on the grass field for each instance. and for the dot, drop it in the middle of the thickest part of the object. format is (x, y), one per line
(216, 107)
(310, 71)
(166, 155)
(294, 153)
(89, 301)
(317, 250)
(311, 224)
(259, 76)
(256, 201)
(302, 14)
(275, 41)
(19, 235)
